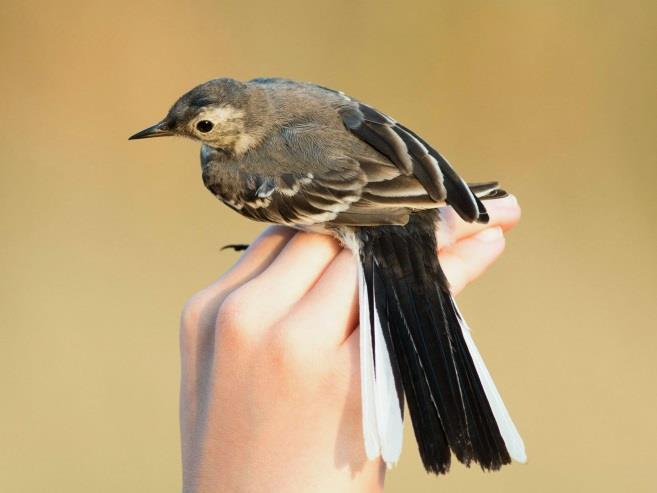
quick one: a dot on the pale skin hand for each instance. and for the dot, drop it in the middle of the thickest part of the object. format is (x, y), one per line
(270, 397)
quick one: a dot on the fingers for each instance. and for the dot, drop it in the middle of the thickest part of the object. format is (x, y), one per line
(197, 327)
(467, 259)
(328, 313)
(267, 297)
(201, 309)
(504, 213)
(260, 254)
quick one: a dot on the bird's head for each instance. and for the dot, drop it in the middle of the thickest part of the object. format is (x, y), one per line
(218, 113)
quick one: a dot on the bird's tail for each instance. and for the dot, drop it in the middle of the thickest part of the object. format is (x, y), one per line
(414, 342)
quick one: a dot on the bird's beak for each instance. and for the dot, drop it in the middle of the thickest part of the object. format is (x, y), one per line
(158, 130)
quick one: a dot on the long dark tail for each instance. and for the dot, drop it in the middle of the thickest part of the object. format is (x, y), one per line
(430, 352)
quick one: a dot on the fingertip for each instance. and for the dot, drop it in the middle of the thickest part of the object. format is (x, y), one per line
(467, 259)
(508, 202)
(505, 212)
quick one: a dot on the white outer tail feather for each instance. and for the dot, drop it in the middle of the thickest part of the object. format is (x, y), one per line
(388, 412)
(383, 427)
(370, 429)
(512, 439)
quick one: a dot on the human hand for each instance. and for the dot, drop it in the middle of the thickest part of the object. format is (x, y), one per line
(270, 387)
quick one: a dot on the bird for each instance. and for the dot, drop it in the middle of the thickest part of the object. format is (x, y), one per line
(306, 156)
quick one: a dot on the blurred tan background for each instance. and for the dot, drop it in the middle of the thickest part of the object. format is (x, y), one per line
(102, 240)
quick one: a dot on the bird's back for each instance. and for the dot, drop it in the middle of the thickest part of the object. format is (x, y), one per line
(303, 102)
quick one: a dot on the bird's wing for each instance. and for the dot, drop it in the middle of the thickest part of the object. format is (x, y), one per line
(379, 193)
(292, 198)
(325, 183)
(416, 161)
(289, 182)
(317, 197)
(406, 174)
(350, 187)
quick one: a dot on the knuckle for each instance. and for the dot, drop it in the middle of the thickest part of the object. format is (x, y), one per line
(191, 314)
(238, 316)
(290, 348)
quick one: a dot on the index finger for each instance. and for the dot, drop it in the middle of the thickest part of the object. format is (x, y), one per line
(201, 310)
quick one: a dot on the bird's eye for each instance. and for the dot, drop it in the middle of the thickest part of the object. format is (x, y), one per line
(204, 126)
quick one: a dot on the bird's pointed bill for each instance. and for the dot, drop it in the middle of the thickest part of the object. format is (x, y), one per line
(158, 130)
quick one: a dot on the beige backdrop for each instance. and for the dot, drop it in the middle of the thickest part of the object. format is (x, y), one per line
(102, 240)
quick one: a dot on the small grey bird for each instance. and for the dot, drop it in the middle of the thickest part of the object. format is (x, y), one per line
(309, 157)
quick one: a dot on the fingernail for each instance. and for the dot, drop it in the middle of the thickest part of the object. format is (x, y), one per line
(508, 201)
(489, 235)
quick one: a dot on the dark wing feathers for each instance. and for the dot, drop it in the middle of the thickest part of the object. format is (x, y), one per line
(379, 171)
(419, 202)
(412, 155)
(488, 190)
(485, 191)
(315, 199)
(384, 142)
(398, 186)
(459, 195)
(289, 198)
(380, 217)
(425, 167)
